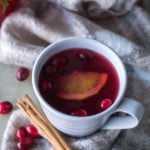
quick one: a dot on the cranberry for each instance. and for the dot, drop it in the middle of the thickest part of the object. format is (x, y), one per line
(85, 56)
(106, 103)
(22, 73)
(12, 6)
(59, 61)
(26, 142)
(82, 55)
(46, 85)
(5, 107)
(21, 146)
(32, 131)
(79, 112)
(21, 133)
(50, 69)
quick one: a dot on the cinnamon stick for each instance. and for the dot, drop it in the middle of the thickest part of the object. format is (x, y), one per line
(42, 124)
(43, 117)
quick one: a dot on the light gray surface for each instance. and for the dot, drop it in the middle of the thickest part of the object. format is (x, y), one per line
(11, 89)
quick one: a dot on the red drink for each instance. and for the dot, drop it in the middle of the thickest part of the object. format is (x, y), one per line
(80, 60)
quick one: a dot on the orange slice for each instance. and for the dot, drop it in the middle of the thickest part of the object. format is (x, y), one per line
(80, 85)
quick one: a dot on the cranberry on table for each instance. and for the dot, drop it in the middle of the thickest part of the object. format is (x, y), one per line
(105, 103)
(79, 112)
(22, 74)
(5, 107)
(32, 131)
(21, 133)
(26, 137)
(26, 142)
(20, 146)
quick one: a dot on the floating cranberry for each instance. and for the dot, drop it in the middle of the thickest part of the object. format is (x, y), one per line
(85, 55)
(46, 85)
(50, 69)
(79, 112)
(21, 133)
(106, 103)
(5, 107)
(22, 74)
(82, 55)
(32, 131)
(59, 61)
(26, 142)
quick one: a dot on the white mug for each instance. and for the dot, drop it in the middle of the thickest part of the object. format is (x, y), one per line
(83, 126)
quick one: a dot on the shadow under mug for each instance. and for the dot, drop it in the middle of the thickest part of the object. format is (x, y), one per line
(83, 126)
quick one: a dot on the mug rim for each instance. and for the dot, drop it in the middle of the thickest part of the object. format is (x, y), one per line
(54, 110)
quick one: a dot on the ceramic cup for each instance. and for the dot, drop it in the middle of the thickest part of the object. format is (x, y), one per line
(82, 126)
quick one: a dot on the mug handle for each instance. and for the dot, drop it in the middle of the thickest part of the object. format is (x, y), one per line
(134, 111)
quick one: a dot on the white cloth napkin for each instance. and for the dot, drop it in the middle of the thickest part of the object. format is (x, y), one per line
(99, 140)
(125, 27)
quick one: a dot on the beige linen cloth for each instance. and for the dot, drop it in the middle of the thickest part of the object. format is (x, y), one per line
(120, 24)
(25, 33)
